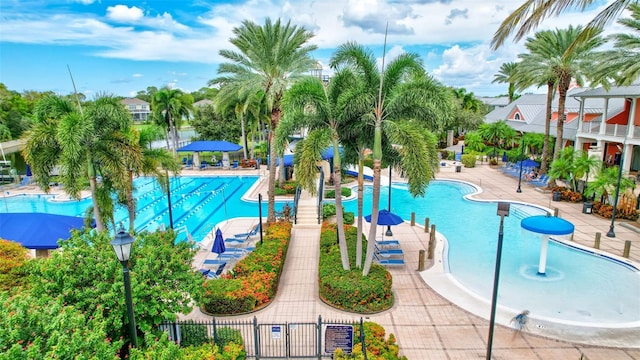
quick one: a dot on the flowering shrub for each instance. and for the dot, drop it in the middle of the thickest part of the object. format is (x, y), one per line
(253, 281)
(606, 211)
(378, 348)
(349, 290)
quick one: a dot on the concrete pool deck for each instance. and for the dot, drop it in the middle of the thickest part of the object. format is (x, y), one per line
(426, 325)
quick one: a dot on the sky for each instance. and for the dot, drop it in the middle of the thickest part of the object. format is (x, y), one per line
(122, 47)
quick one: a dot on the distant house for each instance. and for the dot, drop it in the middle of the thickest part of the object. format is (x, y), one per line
(614, 132)
(583, 127)
(139, 109)
(203, 102)
(494, 102)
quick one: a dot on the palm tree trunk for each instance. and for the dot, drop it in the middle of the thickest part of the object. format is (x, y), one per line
(131, 204)
(271, 210)
(94, 195)
(547, 129)
(244, 136)
(337, 177)
(375, 203)
(563, 86)
(360, 208)
(283, 173)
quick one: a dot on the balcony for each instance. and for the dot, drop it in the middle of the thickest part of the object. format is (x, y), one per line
(591, 127)
(616, 130)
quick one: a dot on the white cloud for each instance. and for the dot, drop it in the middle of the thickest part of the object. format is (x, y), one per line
(85, 2)
(137, 75)
(123, 13)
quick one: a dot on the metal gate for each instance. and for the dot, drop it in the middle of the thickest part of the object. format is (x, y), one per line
(288, 340)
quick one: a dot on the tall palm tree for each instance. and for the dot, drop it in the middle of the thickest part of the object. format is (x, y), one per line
(170, 106)
(152, 162)
(531, 13)
(507, 75)
(309, 104)
(557, 57)
(84, 144)
(269, 58)
(499, 134)
(621, 64)
(404, 100)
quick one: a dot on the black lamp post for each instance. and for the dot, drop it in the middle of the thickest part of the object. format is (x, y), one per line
(389, 233)
(122, 246)
(503, 211)
(611, 233)
(169, 200)
(521, 160)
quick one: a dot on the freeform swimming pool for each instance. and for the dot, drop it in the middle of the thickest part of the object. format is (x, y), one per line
(580, 287)
(197, 203)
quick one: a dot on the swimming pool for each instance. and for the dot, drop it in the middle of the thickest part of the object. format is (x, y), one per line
(579, 287)
(197, 203)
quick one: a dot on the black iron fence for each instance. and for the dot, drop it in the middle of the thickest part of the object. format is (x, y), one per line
(320, 194)
(288, 340)
(296, 199)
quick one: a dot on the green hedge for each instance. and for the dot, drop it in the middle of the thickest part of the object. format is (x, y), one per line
(254, 280)
(331, 194)
(349, 290)
(379, 346)
(468, 160)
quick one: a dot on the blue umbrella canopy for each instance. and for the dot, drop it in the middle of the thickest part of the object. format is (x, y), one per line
(548, 225)
(208, 145)
(530, 163)
(386, 218)
(218, 243)
(36, 230)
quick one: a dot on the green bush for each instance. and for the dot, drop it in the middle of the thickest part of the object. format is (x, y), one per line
(328, 209)
(254, 279)
(227, 335)
(378, 347)
(280, 192)
(444, 154)
(331, 194)
(289, 188)
(349, 290)
(349, 218)
(468, 160)
(193, 334)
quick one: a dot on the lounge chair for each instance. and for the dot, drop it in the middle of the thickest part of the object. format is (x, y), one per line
(235, 164)
(388, 262)
(253, 232)
(541, 181)
(386, 253)
(388, 243)
(218, 272)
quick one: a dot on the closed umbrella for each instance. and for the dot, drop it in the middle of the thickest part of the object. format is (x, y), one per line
(218, 243)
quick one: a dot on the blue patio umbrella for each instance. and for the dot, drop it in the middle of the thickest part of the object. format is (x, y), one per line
(218, 243)
(29, 173)
(530, 163)
(386, 218)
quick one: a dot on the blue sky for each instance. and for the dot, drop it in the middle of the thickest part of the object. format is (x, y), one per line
(122, 47)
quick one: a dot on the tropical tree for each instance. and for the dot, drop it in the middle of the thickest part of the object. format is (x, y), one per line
(621, 64)
(152, 162)
(473, 141)
(84, 144)
(211, 125)
(532, 12)
(499, 134)
(584, 164)
(562, 58)
(170, 107)
(404, 100)
(468, 111)
(269, 58)
(563, 167)
(309, 104)
(507, 75)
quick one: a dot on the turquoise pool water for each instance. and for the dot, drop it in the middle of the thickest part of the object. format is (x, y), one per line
(579, 286)
(197, 203)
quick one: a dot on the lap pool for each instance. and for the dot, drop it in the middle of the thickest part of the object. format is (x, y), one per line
(580, 287)
(198, 203)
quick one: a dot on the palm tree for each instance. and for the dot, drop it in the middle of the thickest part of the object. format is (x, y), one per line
(269, 58)
(532, 12)
(560, 58)
(311, 105)
(507, 75)
(170, 106)
(84, 144)
(404, 100)
(583, 164)
(153, 162)
(621, 64)
(499, 134)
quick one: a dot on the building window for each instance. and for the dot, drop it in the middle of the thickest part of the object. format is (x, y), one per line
(132, 107)
(517, 116)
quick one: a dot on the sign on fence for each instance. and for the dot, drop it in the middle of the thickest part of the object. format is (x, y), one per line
(338, 337)
(276, 332)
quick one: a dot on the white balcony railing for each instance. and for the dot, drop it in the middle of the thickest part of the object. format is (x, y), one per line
(591, 127)
(616, 130)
